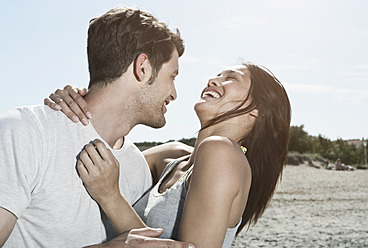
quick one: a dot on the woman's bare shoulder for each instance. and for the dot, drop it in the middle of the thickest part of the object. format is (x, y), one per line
(222, 148)
(218, 153)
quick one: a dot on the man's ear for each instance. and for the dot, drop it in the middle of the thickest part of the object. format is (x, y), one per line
(142, 67)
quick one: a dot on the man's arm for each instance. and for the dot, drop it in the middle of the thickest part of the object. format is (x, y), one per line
(142, 238)
(159, 156)
(7, 223)
(19, 139)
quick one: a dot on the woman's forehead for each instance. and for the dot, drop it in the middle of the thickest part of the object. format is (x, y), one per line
(237, 70)
(241, 69)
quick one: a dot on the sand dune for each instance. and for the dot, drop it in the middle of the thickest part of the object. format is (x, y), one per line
(313, 208)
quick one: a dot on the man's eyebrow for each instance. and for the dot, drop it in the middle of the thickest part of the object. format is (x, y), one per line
(176, 72)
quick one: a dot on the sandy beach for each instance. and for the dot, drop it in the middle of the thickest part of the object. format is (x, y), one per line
(313, 208)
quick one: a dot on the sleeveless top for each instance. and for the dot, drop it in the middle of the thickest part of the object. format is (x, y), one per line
(164, 210)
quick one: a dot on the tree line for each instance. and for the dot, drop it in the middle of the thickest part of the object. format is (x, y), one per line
(300, 141)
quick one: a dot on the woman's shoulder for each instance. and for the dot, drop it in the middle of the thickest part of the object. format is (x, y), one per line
(224, 154)
(222, 147)
(222, 166)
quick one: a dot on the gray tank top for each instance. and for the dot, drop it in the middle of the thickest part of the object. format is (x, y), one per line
(164, 210)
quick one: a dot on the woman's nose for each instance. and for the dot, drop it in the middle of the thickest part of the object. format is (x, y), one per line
(213, 82)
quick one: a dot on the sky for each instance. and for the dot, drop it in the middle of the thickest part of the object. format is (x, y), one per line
(318, 49)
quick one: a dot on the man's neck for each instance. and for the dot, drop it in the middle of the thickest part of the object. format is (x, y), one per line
(110, 116)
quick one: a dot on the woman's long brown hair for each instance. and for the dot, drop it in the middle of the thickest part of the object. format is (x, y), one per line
(267, 142)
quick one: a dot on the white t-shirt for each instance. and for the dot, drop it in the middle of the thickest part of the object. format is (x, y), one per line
(40, 185)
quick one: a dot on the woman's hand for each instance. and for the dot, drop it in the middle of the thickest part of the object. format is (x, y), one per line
(99, 171)
(70, 101)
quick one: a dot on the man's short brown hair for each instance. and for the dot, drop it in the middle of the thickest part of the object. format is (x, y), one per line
(116, 38)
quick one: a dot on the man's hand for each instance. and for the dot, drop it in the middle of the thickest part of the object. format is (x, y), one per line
(143, 238)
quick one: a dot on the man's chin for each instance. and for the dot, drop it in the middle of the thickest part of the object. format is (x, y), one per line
(157, 124)
(161, 124)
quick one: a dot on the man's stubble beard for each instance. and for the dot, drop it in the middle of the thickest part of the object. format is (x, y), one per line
(152, 120)
(149, 114)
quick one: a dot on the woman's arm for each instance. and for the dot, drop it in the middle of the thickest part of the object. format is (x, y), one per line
(70, 100)
(159, 156)
(217, 193)
(99, 171)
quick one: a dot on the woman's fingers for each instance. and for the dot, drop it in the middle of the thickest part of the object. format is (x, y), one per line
(98, 155)
(70, 100)
(82, 170)
(109, 165)
(51, 104)
(86, 159)
(63, 99)
(94, 155)
(75, 104)
(105, 153)
(78, 104)
(89, 165)
(99, 172)
(82, 91)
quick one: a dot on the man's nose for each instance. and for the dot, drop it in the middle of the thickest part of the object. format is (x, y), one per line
(173, 95)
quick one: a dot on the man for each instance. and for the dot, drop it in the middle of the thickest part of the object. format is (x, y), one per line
(133, 60)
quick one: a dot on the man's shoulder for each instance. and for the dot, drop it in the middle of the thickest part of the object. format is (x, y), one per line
(130, 154)
(17, 117)
(129, 148)
(28, 112)
(36, 116)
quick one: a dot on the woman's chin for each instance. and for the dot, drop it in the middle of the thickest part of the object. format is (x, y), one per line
(203, 112)
(199, 108)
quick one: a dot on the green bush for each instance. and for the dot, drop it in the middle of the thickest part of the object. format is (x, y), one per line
(323, 148)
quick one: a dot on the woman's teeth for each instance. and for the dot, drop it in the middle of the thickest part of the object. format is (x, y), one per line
(211, 93)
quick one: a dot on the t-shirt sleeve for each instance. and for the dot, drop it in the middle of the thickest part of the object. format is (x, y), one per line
(20, 155)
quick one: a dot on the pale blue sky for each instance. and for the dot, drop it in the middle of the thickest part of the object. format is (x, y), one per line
(317, 48)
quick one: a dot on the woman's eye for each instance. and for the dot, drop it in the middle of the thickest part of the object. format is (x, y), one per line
(230, 79)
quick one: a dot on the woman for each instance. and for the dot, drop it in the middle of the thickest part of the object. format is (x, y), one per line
(212, 193)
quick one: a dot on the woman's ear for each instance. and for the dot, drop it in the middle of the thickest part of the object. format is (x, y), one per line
(254, 113)
(142, 67)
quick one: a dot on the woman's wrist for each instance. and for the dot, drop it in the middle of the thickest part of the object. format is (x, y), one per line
(110, 199)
